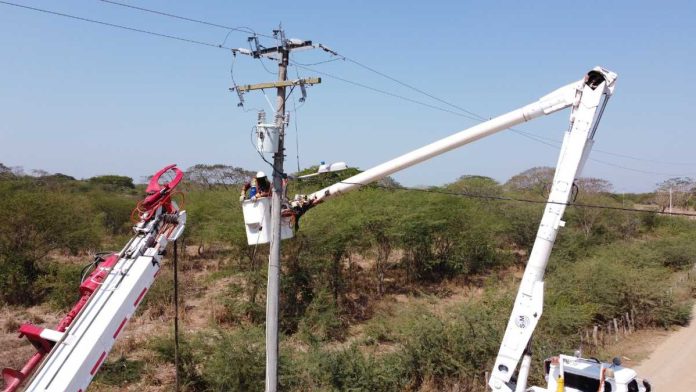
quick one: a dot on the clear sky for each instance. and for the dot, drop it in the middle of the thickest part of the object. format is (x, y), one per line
(86, 99)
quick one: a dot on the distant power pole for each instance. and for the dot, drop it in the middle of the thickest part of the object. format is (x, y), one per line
(670, 200)
(273, 289)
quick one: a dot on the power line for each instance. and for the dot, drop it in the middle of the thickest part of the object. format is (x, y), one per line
(482, 118)
(539, 139)
(645, 159)
(520, 200)
(469, 114)
(243, 29)
(413, 88)
(638, 170)
(476, 117)
(297, 135)
(133, 29)
(557, 146)
(384, 92)
(319, 62)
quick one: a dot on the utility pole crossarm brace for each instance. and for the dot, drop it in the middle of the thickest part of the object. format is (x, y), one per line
(283, 83)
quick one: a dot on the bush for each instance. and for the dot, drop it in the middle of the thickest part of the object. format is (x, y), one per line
(457, 347)
(611, 287)
(189, 349)
(677, 253)
(115, 211)
(351, 370)
(235, 360)
(59, 285)
(113, 181)
(120, 372)
(322, 321)
(32, 224)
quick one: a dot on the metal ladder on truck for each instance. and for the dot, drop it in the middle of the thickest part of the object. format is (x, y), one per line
(68, 357)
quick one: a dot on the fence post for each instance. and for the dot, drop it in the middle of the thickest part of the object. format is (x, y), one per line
(594, 336)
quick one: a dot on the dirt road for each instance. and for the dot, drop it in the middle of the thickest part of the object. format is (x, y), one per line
(671, 365)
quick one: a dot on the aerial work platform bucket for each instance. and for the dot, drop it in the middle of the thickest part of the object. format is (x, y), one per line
(257, 219)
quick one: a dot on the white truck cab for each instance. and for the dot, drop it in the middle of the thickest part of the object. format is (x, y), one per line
(574, 374)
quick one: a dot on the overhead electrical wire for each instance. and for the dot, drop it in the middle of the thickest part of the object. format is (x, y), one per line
(244, 29)
(382, 91)
(475, 117)
(482, 118)
(297, 135)
(133, 29)
(519, 200)
(462, 111)
(230, 29)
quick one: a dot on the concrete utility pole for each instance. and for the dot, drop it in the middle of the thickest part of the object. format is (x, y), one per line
(273, 289)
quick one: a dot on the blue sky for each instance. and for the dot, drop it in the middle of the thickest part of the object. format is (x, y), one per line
(85, 99)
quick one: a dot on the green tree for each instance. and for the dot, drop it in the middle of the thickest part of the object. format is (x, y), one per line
(32, 224)
(113, 181)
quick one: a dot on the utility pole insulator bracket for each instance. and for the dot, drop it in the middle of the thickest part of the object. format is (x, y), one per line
(283, 83)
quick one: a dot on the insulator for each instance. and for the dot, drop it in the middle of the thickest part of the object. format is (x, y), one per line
(262, 117)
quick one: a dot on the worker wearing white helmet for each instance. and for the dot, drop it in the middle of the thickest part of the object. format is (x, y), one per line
(258, 187)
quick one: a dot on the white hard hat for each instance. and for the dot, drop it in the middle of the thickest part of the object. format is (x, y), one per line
(260, 174)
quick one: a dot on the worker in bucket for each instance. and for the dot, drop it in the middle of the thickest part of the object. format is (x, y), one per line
(258, 187)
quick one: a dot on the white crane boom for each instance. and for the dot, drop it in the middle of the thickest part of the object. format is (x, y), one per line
(68, 357)
(577, 143)
(257, 210)
(557, 100)
(587, 98)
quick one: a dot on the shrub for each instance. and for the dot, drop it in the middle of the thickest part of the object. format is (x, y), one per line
(612, 287)
(32, 224)
(164, 347)
(322, 321)
(235, 361)
(113, 181)
(115, 211)
(59, 285)
(677, 253)
(120, 372)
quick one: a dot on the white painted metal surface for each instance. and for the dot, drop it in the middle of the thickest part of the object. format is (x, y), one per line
(81, 350)
(267, 138)
(557, 100)
(574, 369)
(257, 220)
(587, 98)
(591, 96)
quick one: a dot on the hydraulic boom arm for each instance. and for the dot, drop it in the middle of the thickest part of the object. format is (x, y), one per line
(68, 357)
(592, 96)
(569, 95)
(587, 98)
